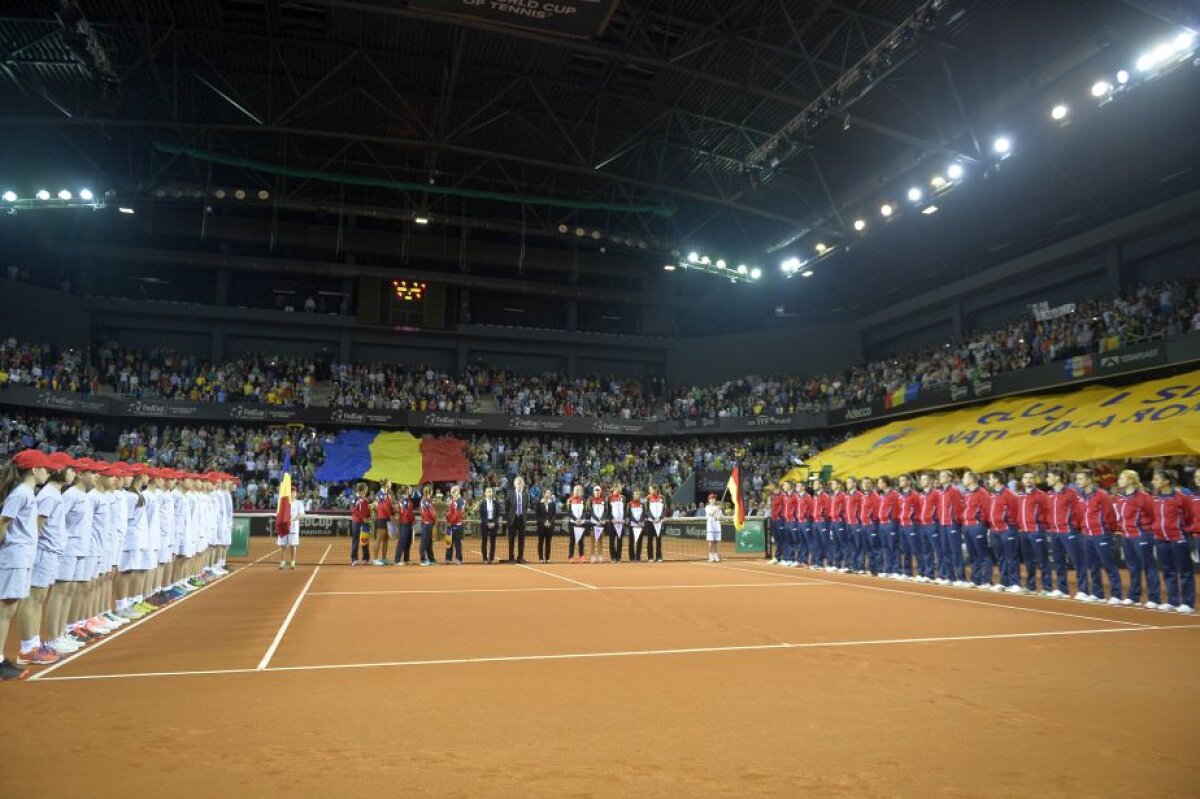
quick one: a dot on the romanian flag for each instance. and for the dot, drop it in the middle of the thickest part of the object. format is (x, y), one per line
(400, 457)
(283, 513)
(902, 395)
(1080, 366)
(734, 487)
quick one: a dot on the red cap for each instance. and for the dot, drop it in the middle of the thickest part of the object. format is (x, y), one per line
(63, 460)
(32, 459)
(89, 465)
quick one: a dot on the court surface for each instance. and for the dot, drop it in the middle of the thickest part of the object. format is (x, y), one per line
(672, 679)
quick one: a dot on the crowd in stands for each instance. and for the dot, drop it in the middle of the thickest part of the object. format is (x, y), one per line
(1092, 325)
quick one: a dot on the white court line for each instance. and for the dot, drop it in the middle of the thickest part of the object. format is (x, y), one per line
(287, 621)
(641, 652)
(813, 584)
(557, 576)
(944, 598)
(118, 633)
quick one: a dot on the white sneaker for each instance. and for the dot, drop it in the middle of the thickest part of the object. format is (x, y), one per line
(1151, 606)
(1126, 601)
(1015, 589)
(844, 570)
(1082, 597)
(1094, 598)
(771, 562)
(1183, 609)
(1056, 594)
(64, 647)
(943, 581)
(1112, 600)
(378, 562)
(830, 569)
(1166, 607)
(716, 558)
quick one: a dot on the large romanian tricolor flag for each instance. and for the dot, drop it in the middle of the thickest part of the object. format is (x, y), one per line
(735, 493)
(400, 457)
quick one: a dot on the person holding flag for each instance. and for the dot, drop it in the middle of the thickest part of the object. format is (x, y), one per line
(713, 527)
(287, 534)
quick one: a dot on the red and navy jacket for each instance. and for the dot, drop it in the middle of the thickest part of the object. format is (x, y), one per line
(822, 506)
(778, 499)
(909, 505)
(1001, 510)
(361, 511)
(1193, 499)
(806, 506)
(404, 511)
(791, 507)
(454, 512)
(1172, 517)
(428, 512)
(975, 507)
(1096, 512)
(927, 505)
(837, 505)
(383, 506)
(1135, 513)
(853, 503)
(868, 508)
(1062, 511)
(950, 506)
(889, 506)
(1031, 510)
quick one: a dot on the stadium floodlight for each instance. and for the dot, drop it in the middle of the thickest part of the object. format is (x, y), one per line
(954, 171)
(742, 269)
(929, 209)
(10, 196)
(563, 228)
(421, 220)
(1184, 41)
(1058, 112)
(704, 259)
(42, 194)
(125, 210)
(885, 210)
(721, 263)
(596, 235)
(85, 195)
(821, 248)
(915, 195)
(1002, 145)
(791, 266)
(580, 232)
(755, 273)
(937, 182)
(64, 194)
(240, 194)
(1122, 76)
(669, 267)
(1101, 88)
(806, 273)
(860, 225)
(693, 258)
(263, 194)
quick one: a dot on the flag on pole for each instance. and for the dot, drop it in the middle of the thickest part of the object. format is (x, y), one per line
(283, 513)
(734, 488)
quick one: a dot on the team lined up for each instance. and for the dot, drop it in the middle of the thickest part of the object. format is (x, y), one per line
(919, 530)
(86, 546)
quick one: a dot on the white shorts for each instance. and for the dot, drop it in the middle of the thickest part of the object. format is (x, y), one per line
(289, 540)
(148, 558)
(714, 536)
(223, 538)
(45, 569)
(75, 569)
(131, 560)
(14, 583)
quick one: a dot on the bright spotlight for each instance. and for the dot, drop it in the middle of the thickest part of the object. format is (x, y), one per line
(64, 195)
(1100, 88)
(929, 209)
(721, 263)
(704, 259)
(937, 182)
(1122, 76)
(85, 195)
(821, 248)
(239, 194)
(885, 209)
(263, 194)
(10, 196)
(1002, 145)
(1059, 112)
(42, 194)
(1184, 41)
(791, 265)
(755, 273)
(954, 171)
(125, 210)
(806, 273)
(742, 269)
(669, 267)
(915, 195)
(563, 228)
(860, 225)
(693, 258)
(421, 220)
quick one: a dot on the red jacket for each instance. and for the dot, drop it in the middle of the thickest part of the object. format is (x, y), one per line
(1193, 499)
(428, 512)
(1002, 510)
(778, 500)
(910, 503)
(822, 506)
(927, 502)
(950, 506)
(384, 508)
(975, 507)
(361, 511)
(1096, 511)
(806, 505)
(868, 508)
(837, 502)
(1172, 516)
(791, 507)
(454, 512)
(404, 511)
(1135, 513)
(889, 506)
(1031, 510)
(853, 503)
(1062, 511)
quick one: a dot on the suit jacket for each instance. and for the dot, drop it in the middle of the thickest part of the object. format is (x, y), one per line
(510, 504)
(546, 512)
(490, 521)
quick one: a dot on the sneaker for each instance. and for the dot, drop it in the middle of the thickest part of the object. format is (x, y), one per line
(292, 565)
(146, 607)
(1014, 589)
(9, 671)
(658, 560)
(82, 635)
(1151, 606)
(1127, 602)
(42, 656)
(423, 563)
(282, 566)
(942, 581)
(1095, 598)
(111, 619)
(1112, 600)
(1056, 594)
(1082, 597)
(64, 646)
(1043, 593)
(772, 561)
(378, 562)
(1184, 609)
(96, 627)
(1166, 607)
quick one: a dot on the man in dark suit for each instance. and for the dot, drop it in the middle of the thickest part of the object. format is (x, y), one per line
(516, 506)
(489, 524)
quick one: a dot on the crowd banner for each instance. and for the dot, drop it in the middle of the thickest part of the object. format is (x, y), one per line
(1154, 418)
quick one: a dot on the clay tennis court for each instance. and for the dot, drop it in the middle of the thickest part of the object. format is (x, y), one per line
(683, 678)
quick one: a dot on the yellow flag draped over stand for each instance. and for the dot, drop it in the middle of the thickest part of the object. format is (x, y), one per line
(1155, 418)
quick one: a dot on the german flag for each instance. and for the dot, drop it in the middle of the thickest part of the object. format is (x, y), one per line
(734, 487)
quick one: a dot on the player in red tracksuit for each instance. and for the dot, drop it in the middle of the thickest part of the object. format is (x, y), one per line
(853, 505)
(456, 512)
(1001, 519)
(405, 518)
(1172, 517)
(822, 512)
(791, 512)
(975, 509)
(428, 520)
(950, 504)
(869, 548)
(1031, 511)
(813, 551)
(360, 519)
(1098, 522)
(778, 521)
(1062, 528)
(889, 530)
(909, 509)
(928, 535)
(1135, 518)
(837, 526)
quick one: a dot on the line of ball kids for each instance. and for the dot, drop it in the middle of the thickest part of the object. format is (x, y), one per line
(87, 546)
(918, 529)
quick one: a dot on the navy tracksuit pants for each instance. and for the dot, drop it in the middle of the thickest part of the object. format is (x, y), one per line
(950, 567)
(981, 556)
(1099, 556)
(1176, 560)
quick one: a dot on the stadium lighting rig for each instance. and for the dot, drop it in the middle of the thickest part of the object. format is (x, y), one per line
(42, 199)
(694, 261)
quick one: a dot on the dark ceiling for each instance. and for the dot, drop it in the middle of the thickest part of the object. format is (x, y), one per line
(663, 110)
